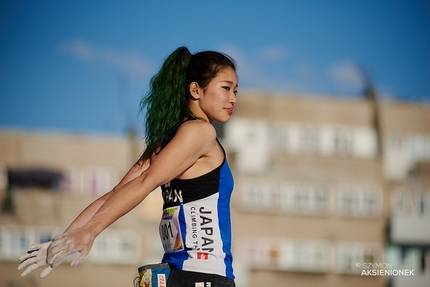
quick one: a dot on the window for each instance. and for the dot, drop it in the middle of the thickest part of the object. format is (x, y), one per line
(94, 181)
(321, 199)
(419, 145)
(98, 180)
(18, 243)
(361, 201)
(350, 257)
(343, 143)
(405, 201)
(260, 196)
(305, 198)
(278, 137)
(72, 180)
(369, 202)
(401, 200)
(422, 202)
(301, 198)
(259, 252)
(309, 256)
(116, 247)
(395, 142)
(309, 140)
(13, 242)
(284, 254)
(16, 240)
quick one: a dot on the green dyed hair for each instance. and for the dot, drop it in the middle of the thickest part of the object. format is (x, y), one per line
(166, 104)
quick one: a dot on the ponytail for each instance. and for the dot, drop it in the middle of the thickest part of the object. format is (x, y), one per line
(166, 103)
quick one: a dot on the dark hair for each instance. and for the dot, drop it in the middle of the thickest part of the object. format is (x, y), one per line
(166, 104)
(205, 66)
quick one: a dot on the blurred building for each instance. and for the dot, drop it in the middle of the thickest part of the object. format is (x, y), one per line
(325, 189)
(329, 190)
(46, 180)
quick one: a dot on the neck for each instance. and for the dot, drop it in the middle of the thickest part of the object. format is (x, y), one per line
(197, 111)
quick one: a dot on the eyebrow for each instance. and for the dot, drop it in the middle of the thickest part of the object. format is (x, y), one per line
(230, 82)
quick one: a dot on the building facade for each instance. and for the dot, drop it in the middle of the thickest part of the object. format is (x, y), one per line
(328, 190)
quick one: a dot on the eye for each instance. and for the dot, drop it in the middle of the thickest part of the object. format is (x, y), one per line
(235, 92)
(226, 87)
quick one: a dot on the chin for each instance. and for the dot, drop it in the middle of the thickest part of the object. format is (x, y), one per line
(222, 121)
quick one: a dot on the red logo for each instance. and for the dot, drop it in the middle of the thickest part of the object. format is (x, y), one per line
(202, 255)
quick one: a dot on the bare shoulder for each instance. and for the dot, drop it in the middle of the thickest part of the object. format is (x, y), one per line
(200, 147)
(198, 130)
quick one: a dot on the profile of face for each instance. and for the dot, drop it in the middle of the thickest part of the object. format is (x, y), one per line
(217, 100)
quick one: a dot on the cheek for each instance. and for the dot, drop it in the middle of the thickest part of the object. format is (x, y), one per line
(221, 100)
(216, 101)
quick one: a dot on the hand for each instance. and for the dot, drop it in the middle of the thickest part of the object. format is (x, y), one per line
(35, 257)
(78, 240)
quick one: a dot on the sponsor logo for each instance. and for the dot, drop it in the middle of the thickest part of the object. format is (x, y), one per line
(202, 255)
(172, 195)
(161, 280)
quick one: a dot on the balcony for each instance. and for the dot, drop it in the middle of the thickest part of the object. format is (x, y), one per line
(418, 280)
(410, 229)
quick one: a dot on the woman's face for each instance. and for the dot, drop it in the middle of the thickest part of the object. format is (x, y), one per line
(219, 97)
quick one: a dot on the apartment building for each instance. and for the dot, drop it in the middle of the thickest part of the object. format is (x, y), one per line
(406, 166)
(328, 189)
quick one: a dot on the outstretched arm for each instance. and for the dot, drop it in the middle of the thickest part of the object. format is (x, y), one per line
(136, 170)
(36, 256)
(191, 142)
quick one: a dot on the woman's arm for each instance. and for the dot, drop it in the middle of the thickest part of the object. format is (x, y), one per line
(36, 256)
(137, 169)
(192, 141)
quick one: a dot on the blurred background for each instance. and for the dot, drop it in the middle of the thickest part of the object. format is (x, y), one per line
(329, 142)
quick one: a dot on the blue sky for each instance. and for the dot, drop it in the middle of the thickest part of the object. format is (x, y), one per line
(82, 66)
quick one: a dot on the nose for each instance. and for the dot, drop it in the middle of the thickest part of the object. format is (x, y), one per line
(233, 98)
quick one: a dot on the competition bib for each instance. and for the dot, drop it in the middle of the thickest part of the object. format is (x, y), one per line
(170, 232)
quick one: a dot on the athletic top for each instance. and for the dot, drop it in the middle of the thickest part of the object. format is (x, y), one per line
(195, 228)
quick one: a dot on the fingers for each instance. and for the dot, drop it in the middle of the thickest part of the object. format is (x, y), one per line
(46, 272)
(78, 259)
(29, 269)
(26, 256)
(53, 253)
(27, 262)
(30, 252)
(57, 258)
(34, 258)
(54, 250)
(57, 242)
(34, 247)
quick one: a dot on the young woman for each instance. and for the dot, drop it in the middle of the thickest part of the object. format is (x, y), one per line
(184, 157)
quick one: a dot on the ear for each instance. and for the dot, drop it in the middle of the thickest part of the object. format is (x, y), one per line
(195, 90)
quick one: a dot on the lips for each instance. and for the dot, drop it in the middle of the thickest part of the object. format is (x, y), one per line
(229, 111)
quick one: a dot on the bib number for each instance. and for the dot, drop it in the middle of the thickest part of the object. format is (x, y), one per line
(170, 232)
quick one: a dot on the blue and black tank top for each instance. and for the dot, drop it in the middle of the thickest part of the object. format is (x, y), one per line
(195, 227)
